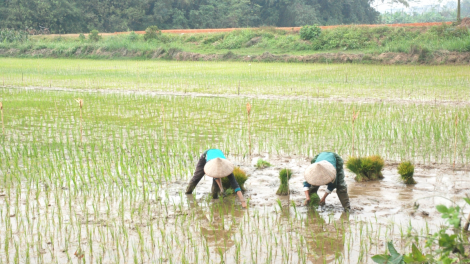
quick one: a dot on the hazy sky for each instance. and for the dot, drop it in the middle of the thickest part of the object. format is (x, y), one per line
(384, 6)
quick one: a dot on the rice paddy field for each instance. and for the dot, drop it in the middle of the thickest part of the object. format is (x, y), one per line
(104, 183)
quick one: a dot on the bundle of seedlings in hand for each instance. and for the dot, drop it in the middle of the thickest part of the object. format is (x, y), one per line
(240, 176)
(284, 175)
(406, 170)
(366, 168)
(314, 199)
(261, 164)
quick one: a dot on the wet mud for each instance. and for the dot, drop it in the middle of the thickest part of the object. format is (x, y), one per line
(382, 200)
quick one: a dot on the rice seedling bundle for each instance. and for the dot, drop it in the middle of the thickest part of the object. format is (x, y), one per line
(262, 164)
(366, 168)
(314, 200)
(406, 171)
(284, 176)
(240, 176)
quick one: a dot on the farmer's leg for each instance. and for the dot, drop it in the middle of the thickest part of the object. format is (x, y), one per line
(198, 174)
(343, 196)
(215, 189)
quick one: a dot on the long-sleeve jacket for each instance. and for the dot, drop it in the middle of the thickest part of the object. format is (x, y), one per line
(339, 181)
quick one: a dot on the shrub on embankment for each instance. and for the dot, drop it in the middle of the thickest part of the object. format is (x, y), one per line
(422, 43)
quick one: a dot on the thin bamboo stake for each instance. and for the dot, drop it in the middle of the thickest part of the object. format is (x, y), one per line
(80, 104)
(288, 189)
(455, 138)
(3, 126)
(248, 110)
(354, 117)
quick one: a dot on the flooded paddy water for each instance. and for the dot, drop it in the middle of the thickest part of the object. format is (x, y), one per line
(106, 184)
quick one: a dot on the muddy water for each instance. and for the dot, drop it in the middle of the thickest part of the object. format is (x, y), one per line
(457, 103)
(384, 199)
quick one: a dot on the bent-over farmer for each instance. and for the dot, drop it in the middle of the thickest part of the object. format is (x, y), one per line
(327, 169)
(214, 164)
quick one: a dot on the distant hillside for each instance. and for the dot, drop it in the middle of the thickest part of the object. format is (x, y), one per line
(82, 16)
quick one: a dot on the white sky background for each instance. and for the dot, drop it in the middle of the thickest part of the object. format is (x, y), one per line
(383, 7)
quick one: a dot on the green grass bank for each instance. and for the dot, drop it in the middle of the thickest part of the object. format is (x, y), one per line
(384, 45)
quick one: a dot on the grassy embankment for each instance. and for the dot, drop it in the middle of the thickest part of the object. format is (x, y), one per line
(237, 45)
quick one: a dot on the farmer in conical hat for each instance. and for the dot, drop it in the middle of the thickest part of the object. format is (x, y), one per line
(327, 169)
(214, 164)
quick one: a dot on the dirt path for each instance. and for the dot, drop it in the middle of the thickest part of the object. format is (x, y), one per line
(294, 29)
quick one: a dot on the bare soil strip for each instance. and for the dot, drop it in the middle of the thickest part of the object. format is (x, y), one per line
(463, 103)
(294, 29)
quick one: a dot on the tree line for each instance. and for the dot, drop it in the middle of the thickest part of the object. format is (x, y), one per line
(74, 16)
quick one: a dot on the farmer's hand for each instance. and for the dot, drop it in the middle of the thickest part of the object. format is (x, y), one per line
(242, 200)
(306, 201)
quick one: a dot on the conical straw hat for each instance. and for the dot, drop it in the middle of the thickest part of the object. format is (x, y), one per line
(218, 168)
(320, 173)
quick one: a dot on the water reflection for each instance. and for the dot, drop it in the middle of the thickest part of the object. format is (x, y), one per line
(218, 222)
(325, 238)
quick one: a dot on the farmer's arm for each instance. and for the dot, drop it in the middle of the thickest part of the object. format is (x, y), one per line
(330, 187)
(236, 188)
(307, 195)
(323, 199)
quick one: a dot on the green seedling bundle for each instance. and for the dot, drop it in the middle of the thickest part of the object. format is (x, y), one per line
(284, 176)
(406, 171)
(262, 164)
(240, 176)
(366, 168)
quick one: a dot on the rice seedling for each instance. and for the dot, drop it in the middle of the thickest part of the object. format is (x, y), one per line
(405, 83)
(284, 176)
(248, 111)
(1, 111)
(80, 105)
(366, 168)
(354, 117)
(406, 171)
(262, 164)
